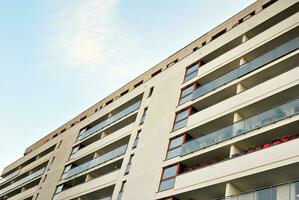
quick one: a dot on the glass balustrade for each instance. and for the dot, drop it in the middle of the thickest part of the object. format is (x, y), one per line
(22, 181)
(286, 192)
(241, 127)
(9, 177)
(95, 162)
(247, 68)
(109, 121)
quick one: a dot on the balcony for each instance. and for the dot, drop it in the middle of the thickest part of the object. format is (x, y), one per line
(244, 172)
(247, 68)
(22, 181)
(104, 188)
(288, 191)
(101, 125)
(241, 127)
(95, 162)
(100, 140)
(9, 177)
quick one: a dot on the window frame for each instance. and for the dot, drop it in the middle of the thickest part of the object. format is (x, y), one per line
(177, 165)
(186, 118)
(194, 85)
(199, 63)
(184, 137)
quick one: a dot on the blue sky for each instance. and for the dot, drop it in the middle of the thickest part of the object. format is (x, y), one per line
(59, 57)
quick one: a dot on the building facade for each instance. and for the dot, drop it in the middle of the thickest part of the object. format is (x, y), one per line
(216, 120)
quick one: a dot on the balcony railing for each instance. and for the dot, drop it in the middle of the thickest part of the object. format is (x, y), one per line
(288, 191)
(109, 121)
(243, 126)
(247, 68)
(95, 162)
(22, 181)
(9, 177)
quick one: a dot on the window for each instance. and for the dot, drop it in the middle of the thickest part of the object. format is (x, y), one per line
(174, 147)
(186, 94)
(218, 34)
(108, 102)
(59, 144)
(172, 63)
(143, 116)
(297, 191)
(120, 194)
(268, 4)
(168, 177)
(150, 92)
(137, 84)
(266, 194)
(74, 151)
(136, 139)
(67, 168)
(156, 73)
(59, 189)
(124, 92)
(45, 178)
(129, 164)
(191, 72)
(83, 118)
(181, 119)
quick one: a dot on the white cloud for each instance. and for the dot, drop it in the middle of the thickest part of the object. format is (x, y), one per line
(89, 43)
(80, 31)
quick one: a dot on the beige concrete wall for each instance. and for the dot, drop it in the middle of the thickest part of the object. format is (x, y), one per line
(149, 156)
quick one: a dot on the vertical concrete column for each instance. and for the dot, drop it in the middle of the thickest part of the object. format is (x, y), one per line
(231, 189)
(88, 178)
(103, 134)
(96, 154)
(234, 150)
(240, 87)
(244, 38)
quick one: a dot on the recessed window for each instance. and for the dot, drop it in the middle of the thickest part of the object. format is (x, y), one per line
(74, 151)
(181, 118)
(137, 84)
(129, 164)
(59, 144)
(156, 73)
(172, 63)
(45, 178)
(143, 116)
(218, 34)
(186, 94)
(191, 72)
(59, 189)
(174, 147)
(108, 102)
(195, 49)
(122, 189)
(83, 118)
(124, 92)
(136, 139)
(168, 177)
(150, 92)
(268, 4)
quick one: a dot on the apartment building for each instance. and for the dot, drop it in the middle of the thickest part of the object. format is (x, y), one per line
(216, 120)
